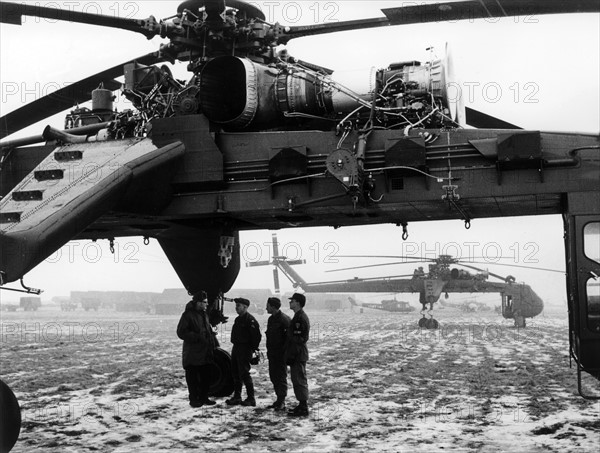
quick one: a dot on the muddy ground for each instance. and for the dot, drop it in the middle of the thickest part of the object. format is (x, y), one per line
(107, 381)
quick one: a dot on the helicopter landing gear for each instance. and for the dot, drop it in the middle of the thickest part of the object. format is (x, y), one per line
(10, 425)
(520, 321)
(432, 324)
(428, 323)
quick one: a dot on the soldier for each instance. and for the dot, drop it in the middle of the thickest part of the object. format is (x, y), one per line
(245, 336)
(198, 349)
(296, 354)
(277, 327)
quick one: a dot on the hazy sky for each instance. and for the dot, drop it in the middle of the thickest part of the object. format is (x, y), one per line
(540, 73)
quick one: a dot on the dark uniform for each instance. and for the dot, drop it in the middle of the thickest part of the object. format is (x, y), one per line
(277, 327)
(296, 354)
(197, 356)
(245, 336)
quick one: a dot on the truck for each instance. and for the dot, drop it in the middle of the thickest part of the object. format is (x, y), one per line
(90, 303)
(30, 303)
(68, 305)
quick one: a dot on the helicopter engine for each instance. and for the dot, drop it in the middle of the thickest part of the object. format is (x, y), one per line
(241, 94)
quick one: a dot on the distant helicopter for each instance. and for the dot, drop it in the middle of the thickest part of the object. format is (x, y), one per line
(519, 301)
(391, 305)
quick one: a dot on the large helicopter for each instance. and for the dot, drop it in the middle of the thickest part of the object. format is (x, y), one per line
(256, 138)
(445, 274)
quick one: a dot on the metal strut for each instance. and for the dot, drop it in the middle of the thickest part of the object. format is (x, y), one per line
(26, 289)
(579, 387)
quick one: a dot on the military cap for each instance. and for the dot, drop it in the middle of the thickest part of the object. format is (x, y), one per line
(300, 298)
(241, 300)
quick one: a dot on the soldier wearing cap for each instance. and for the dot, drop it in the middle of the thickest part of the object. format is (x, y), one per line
(296, 353)
(277, 327)
(245, 336)
(199, 344)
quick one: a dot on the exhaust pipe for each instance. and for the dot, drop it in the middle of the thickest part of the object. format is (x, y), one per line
(51, 133)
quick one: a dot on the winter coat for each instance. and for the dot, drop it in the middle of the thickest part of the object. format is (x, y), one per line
(246, 331)
(297, 337)
(198, 338)
(277, 327)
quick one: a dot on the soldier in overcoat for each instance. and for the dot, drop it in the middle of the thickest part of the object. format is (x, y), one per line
(199, 344)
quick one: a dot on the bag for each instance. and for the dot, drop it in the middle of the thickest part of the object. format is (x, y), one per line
(257, 357)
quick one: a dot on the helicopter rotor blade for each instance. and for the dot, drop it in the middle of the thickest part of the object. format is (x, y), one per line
(258, 263)
(398, 257)
(482, 9)
(319, 29)
(545, 269)
(66, 97)
(446, 12)
(275, 245)
(416, 259)
(365, 266)
(481, 120)
(12, 13)
(276, 280)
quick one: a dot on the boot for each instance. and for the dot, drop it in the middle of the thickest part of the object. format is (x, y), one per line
(235, 400)
(250, 401)
(278, 405)
(301, 410)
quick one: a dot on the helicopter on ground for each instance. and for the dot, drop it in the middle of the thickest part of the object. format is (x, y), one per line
(256, 138)
(519, 301)
(391, 305)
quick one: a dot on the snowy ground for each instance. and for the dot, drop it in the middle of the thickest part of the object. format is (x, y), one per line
(110, 381)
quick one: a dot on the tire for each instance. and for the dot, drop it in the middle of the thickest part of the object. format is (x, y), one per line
(423, 322)
(222, 381)
(432, 324)
(10, 418)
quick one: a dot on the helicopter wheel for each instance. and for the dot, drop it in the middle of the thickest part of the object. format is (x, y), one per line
(423, 322)
(432, 324)
(222, 381)
(10, 424)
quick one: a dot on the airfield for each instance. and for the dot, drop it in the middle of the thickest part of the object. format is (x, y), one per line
(109, 381)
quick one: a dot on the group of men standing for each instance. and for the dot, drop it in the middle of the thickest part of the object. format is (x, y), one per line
(286, 346)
